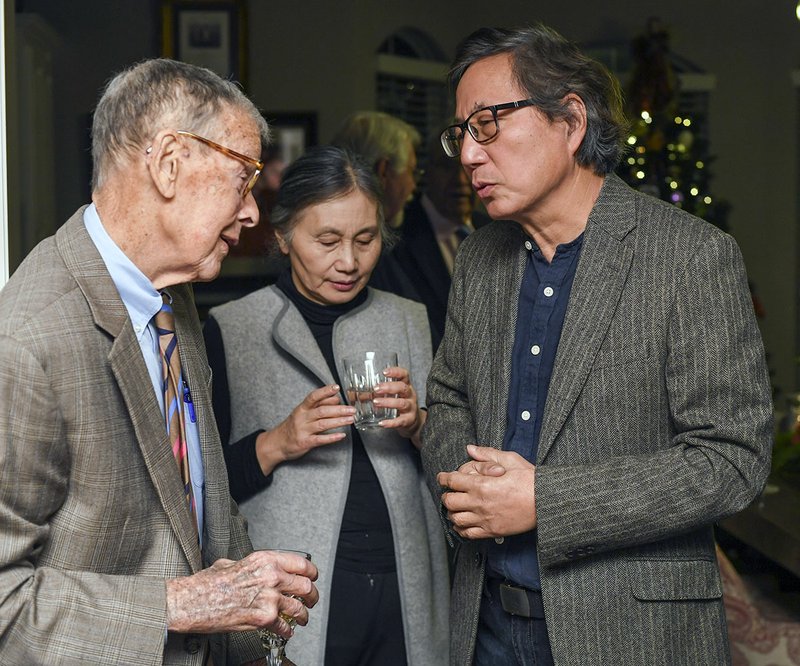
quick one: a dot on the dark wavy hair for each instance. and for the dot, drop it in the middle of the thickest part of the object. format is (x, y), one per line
(549, 67)
(323, 174)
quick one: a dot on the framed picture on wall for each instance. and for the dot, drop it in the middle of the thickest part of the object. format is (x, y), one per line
(209, 33)
(292, 132)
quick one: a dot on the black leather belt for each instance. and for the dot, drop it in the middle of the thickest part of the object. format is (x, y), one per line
(519, 601)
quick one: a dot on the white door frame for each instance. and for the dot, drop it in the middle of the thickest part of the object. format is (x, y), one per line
(3, 153)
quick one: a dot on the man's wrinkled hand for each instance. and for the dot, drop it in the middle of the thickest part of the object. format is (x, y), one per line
(252, 593)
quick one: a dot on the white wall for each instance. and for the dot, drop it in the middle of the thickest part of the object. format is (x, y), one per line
(3, 154)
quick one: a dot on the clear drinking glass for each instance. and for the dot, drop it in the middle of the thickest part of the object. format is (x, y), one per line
(273, 644)
(362, 372)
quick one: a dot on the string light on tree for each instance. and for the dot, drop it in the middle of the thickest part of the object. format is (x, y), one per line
(668, 154)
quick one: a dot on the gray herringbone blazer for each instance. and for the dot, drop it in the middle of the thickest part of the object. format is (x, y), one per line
(657, 424)
(92, 512)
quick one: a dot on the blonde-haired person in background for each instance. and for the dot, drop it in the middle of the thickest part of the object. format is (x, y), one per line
(388, 145)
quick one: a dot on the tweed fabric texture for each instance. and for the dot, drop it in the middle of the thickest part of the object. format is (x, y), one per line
(93, 515)
(657, 424)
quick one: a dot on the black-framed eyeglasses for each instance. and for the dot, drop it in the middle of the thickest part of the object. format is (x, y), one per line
(252, 161)
(482, 126)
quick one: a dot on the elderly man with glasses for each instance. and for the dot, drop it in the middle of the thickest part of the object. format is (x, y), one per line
(600, 397)
(119, 542)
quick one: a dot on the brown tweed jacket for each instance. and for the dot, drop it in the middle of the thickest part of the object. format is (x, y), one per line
(92, 513)
(657, 424)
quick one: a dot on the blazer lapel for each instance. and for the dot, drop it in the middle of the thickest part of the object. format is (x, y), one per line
(128, 367)
(505, 306)
(291, 333)
(148, 424)
(600, 278)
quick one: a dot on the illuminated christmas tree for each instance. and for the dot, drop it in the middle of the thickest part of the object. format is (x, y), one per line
(668, 153)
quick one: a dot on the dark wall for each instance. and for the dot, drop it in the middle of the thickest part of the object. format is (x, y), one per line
(320, 55)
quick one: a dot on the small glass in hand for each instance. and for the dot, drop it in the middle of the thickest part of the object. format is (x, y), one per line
(362, 373)
(273, 644)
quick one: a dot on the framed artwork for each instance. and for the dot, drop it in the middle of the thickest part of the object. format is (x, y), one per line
(209, 33)
(292, 132)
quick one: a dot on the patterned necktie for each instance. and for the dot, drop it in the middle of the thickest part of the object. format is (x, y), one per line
(173, 400)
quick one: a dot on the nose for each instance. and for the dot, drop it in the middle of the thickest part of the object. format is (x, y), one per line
(248, 213)
(346, 261)
(472, 152)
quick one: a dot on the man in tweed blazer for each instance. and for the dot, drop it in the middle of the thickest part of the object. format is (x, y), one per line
(101, 561)
(601, 351)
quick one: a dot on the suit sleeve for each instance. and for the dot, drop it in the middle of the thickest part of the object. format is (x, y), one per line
(716, 457)
(50, 615)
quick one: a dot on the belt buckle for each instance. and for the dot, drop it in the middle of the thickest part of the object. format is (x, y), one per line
(514, 600)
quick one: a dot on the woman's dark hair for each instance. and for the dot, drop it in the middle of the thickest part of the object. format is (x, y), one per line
(549, 67)
(323, 174)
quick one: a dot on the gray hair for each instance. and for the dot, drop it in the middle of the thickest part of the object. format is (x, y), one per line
(323, 174)
(377, 136)
(158, 93)
(548, 67)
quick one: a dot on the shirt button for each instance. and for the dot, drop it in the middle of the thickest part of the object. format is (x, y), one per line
(535, 350)
(526, 415)
(548, 291)
(528, 245)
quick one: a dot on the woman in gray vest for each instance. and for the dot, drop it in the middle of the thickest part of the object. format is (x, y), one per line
(304, 476)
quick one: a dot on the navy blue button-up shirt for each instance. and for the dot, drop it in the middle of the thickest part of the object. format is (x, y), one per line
(543, 300)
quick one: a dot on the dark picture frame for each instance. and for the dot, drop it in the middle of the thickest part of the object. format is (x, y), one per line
(208, 33)
(293, 132)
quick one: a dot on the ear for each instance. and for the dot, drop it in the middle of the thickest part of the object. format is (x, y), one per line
(381, 167)
(282, 244)
(164, 157)
(575, 120)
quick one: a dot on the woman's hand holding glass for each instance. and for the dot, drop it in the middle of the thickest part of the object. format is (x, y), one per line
(399, 394)
(307, 427)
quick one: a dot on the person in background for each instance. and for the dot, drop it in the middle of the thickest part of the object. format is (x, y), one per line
(601, 397)
(304, 475)
(389, 146)
(435, 222)
(119, 541)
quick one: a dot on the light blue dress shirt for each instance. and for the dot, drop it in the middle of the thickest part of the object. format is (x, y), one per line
(143, 302)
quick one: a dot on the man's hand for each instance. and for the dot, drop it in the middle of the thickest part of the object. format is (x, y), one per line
(239, 596)
(491, 495)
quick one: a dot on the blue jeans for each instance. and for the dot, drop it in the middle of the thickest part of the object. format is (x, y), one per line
(508, 639)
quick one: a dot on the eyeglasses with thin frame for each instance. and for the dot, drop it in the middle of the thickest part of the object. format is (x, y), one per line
(482, 126)
(257, 164)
